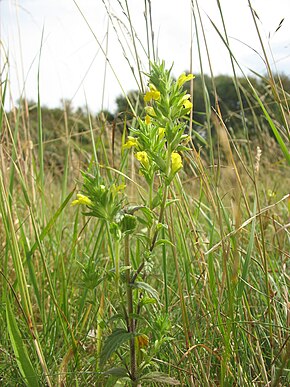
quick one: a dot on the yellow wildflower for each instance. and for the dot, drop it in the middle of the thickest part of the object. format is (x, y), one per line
(187, 104)
(161, 133)
(132, 141)
(147, 119)
(176, 162)
(143, 158)
(156, 95)
(152, 94)
(82, 199)
(184, 78)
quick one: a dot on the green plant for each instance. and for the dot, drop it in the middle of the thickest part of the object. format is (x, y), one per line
(157, 140)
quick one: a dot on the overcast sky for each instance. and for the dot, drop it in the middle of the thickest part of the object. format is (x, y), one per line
(72, 65)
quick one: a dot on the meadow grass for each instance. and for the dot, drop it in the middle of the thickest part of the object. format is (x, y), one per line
(195, 292)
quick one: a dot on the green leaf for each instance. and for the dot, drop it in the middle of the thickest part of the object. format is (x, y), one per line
(159, 377)
(118, 372)
(113, 342)
(164, 242)
(199, 137)
(147, 288)
(169, 202)
(159, 161)
(157, 200)
(21, 355)
(147, 301)
(246, 265)
(148, 214)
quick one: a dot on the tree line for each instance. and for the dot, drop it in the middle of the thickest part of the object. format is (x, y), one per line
(235, 102)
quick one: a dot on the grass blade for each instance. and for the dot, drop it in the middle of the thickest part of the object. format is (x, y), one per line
(20, 351)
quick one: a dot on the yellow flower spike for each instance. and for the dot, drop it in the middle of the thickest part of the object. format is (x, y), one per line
(161, 133)
(184, 78)
(176, 162)
(132, 141)
(82, 199)
(150, 111)
(147, 119)
(143, 158)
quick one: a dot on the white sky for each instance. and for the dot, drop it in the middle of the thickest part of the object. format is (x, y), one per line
(72, 65)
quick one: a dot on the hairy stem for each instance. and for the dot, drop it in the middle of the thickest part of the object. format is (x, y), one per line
(130, 309)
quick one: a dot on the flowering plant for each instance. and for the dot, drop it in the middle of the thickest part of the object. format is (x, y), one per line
(157, 140)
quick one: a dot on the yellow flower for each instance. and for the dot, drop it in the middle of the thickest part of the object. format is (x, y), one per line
(187, 104)
(82, 199)
(147, 119)
(156, 95)
(184, 78)
(143, 158)
(152, 94)
(176, 162)
(161, 133)
(132, 141)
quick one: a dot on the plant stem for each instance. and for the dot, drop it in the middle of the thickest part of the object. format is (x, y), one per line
(131, 323)
(117, 262)
(160, 220)
(161, 215)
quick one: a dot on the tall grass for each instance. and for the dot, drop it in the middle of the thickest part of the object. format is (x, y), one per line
(215, 303)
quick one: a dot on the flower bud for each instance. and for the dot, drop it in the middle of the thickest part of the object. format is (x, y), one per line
(176, 162)
(82, 199)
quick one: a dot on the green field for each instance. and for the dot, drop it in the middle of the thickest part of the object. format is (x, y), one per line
(148, 246)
